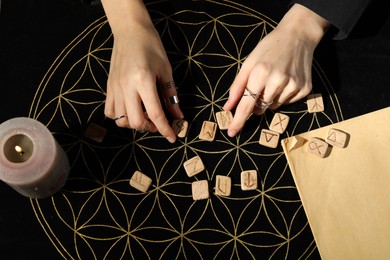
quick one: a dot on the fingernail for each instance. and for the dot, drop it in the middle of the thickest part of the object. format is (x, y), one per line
(232, 133)
(171, 140)
(224, 106)
(181, 115)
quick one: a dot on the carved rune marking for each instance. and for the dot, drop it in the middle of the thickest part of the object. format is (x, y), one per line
(193, 166)
(314, 146)
(279, 123)
(269, 138)
(140, 181)
(223, 185)
(249, 180)
(180, 127)
(318, 147)
(337, 138)
(315, 103)
(332, 136)
(224, 118)
(208, 131)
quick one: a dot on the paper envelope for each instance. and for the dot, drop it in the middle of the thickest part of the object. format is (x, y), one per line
(346, 195)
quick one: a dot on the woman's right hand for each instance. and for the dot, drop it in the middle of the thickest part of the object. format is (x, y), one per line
(138, 65)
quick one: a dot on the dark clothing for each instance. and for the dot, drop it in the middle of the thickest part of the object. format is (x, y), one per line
(342, 14)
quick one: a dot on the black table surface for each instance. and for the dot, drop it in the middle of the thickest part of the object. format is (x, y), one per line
(54, 63)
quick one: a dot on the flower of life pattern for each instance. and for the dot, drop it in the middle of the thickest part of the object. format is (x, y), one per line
(98, 215)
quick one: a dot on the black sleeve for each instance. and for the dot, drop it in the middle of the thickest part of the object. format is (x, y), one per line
(342, 14)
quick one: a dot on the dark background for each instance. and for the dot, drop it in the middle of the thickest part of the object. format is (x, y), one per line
(32, 34)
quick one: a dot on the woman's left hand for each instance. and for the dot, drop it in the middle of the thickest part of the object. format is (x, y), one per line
(278, 71)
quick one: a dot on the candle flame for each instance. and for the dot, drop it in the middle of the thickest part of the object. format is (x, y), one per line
(19, 150)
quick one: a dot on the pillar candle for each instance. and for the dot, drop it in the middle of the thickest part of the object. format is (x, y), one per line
(31, 160)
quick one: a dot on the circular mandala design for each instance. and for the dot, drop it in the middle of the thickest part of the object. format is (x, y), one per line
(98, 215)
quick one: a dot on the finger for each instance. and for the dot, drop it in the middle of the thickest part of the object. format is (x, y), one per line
(109, 110)
(300, 94)
(246, 103)
(151, 101)
(148, 125)
(115, 107)
(274, 87)
(286, 94)
(109, 107)
(264, 101)
(292, 93)
(134, 110)
(171, 99)
(261, 106)
(236, 90)
(243, 111)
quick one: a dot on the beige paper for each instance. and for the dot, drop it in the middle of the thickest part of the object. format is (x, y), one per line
(346, 196)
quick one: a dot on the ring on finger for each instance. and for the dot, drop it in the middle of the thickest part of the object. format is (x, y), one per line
(259, 109)
(264, 103)
(146, 126)
(261, 106)
(173, 100)
(120, 117)
(248, 93)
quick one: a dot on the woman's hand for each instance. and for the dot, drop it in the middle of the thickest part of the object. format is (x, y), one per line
(139, 65)
(278, 71)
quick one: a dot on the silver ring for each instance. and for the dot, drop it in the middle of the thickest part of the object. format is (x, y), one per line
(265, 103)
(260, 108)
(248, 93)
(173, 99)
(146, 127)
(119, 117)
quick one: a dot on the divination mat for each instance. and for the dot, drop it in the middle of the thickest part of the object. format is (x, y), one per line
(99, 215)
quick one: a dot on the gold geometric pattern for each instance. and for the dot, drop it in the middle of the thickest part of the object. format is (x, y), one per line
(98, 215)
